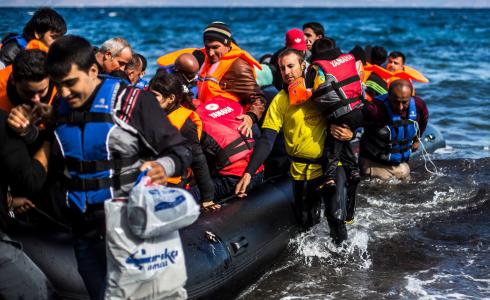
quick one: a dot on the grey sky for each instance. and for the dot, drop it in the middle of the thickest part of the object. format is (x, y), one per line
(295, 3)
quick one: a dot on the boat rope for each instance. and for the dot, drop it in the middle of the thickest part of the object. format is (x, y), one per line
(425, 154)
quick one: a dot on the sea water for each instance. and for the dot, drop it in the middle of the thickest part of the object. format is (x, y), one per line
(428, 238)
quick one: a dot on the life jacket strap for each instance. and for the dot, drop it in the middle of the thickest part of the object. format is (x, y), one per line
(92, 184)
(208, 78)
(400, 150)
(346, 107)
(80, 117)
(92, 166)
(223, 157)
(335, 86)
(403, 122)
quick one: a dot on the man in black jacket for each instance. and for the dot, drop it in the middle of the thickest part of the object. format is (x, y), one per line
(108, 132)
(20, 278)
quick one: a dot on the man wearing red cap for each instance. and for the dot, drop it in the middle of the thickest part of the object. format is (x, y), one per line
(295, 39)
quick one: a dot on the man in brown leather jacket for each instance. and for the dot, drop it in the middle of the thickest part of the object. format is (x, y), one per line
(228, 71)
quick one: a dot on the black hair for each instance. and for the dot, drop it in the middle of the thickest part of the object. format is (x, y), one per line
(199, 56)
(134, 62)
(359, 54)
(265, 59)
(287, 51)
(396, 54)
(144, 63)
(44, 19)
(120, 74)
(169, 84)
(321, 47)
(378, 55)
(65, 52)
(316, 27)
(29, 65)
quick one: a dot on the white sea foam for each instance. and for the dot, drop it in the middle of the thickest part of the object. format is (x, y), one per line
(317, 244)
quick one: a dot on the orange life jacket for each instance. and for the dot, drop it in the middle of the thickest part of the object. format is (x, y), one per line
(208, 85)
(4, 99)
(5, 102)
(368, 69)
(408, 73)
(177, 118)
(37, 44)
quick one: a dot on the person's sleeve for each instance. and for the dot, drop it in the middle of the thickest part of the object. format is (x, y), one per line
(262, 149)
(199, 164)
(376, 86)
(240, 80)
(170, 148)
(9, 52)
(26, 175)
(274, 116)
(422, 114)
(370, 115)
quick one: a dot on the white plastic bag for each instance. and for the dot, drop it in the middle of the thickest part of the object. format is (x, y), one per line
(138, 268)
(155, 210)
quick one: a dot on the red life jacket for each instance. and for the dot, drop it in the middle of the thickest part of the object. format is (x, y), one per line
(219, 121)
(342, 84)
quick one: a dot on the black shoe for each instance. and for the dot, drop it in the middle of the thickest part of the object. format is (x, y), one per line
(338, 232)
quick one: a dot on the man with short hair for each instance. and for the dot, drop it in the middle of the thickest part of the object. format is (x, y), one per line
(396, 61)
(26, 81)
(393, 124)
(294, 39)
(313, 31)
(304, 130)
(228, 72)
(135, 71)
(45, 26)
(105, 129)
(114, 54)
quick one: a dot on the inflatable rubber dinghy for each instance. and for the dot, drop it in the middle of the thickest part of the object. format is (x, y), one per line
(224, 250)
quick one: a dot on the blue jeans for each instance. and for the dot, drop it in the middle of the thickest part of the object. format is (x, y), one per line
(92, 264)
(20, 278)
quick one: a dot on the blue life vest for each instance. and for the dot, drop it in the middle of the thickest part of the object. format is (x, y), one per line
(392, 143)
(141, 84)
(19, 39)
(402, 132)
(83, 138)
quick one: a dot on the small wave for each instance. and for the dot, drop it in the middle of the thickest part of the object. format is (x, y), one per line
(430, 284)
(316, 244)
(112, 14)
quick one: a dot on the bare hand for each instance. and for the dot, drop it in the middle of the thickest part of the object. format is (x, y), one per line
(341, 133)
(415, 145)
(246, 127)
(241, 187)
(210, 205)
(21, 205)
(43, 112)
(19, 118)
(156, 172)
